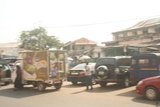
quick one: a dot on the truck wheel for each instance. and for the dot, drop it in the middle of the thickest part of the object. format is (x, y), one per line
(103, 84)
(41, 86)
(58, 85)
(151, 93)
(126, 82)
(6, 83)
(74, 82)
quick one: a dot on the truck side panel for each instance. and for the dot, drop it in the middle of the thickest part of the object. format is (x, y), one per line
(57, 65)
(35, 65)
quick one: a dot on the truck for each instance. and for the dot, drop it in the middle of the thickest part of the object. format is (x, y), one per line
(43, 68)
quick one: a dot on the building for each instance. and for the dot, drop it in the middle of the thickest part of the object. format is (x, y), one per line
(9, 50)
(144, 35)
(79, 47)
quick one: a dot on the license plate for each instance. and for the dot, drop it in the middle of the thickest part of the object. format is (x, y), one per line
(74, 73)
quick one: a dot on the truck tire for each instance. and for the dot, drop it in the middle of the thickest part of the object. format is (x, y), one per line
(58, 86)
(74, 82)
(41, 86)
(103, 84)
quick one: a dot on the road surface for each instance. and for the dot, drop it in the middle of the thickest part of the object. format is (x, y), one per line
(74, 96)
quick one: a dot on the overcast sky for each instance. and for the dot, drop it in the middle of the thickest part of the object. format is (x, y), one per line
(72, 19)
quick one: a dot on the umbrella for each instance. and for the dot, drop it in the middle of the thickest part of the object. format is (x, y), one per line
(84, 57)
(70, 59)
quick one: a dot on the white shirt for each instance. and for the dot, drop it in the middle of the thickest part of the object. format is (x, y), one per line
(88, 70)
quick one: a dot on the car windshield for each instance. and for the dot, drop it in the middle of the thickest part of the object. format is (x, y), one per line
(82, 66)
(79, 67)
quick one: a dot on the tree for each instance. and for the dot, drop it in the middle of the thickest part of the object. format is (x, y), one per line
(38, 39)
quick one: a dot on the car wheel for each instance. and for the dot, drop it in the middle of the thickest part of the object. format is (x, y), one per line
(151, 93)
(74, 82)
(103, 84)
(126, 82)
(41, 86)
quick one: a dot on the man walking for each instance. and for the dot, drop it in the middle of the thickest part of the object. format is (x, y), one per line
(88, 77)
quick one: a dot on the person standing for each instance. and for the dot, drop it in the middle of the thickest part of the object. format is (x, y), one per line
(18, 81)
(88, 77)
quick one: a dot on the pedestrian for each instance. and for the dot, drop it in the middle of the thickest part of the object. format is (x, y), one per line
(88, 77)
(18, 81)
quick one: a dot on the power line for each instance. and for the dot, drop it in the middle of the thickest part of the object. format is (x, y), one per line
(107, 22)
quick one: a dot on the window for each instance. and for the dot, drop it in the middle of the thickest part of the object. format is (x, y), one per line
(130, 33)
(151, 30)
(139, 32)
(154, 62)
(143, 62)
(120, 35)
(133, 62)
(124, 62)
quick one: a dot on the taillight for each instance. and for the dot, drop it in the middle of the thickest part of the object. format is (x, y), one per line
(68, 73)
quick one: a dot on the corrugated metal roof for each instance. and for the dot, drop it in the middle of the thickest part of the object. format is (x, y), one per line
(84, 41)
(9, 45)
(146, 23)
(142, 24)
(81, 41)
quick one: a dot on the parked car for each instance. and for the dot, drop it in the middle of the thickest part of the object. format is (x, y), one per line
(6, 71)
(113, 69)
(144, 66)
(149, 87)
(77, 73)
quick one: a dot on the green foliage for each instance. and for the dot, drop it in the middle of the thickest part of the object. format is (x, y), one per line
(38, 39)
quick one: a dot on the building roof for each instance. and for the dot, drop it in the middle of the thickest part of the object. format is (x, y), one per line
(81, 41)
(10, 45)
(142, 24)
(84, 41)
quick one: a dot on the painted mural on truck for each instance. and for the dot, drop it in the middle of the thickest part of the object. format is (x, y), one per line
(35, 65)
(57, 64)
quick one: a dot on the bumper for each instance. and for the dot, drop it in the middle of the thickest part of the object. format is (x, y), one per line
(105, 79)
(140, 90)
(76, 78)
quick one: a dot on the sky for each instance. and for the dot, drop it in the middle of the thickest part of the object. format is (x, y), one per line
(69, 20)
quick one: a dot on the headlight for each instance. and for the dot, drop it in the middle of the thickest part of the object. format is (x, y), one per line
(140, 82)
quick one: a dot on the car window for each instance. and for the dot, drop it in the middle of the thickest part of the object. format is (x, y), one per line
(133, 62)
(104, 61)
(154, 62)
(124, 62)
(143, 62)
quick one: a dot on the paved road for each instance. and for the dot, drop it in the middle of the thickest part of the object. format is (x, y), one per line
(74, 96)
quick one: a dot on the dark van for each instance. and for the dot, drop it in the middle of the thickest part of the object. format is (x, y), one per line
(144, 66)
